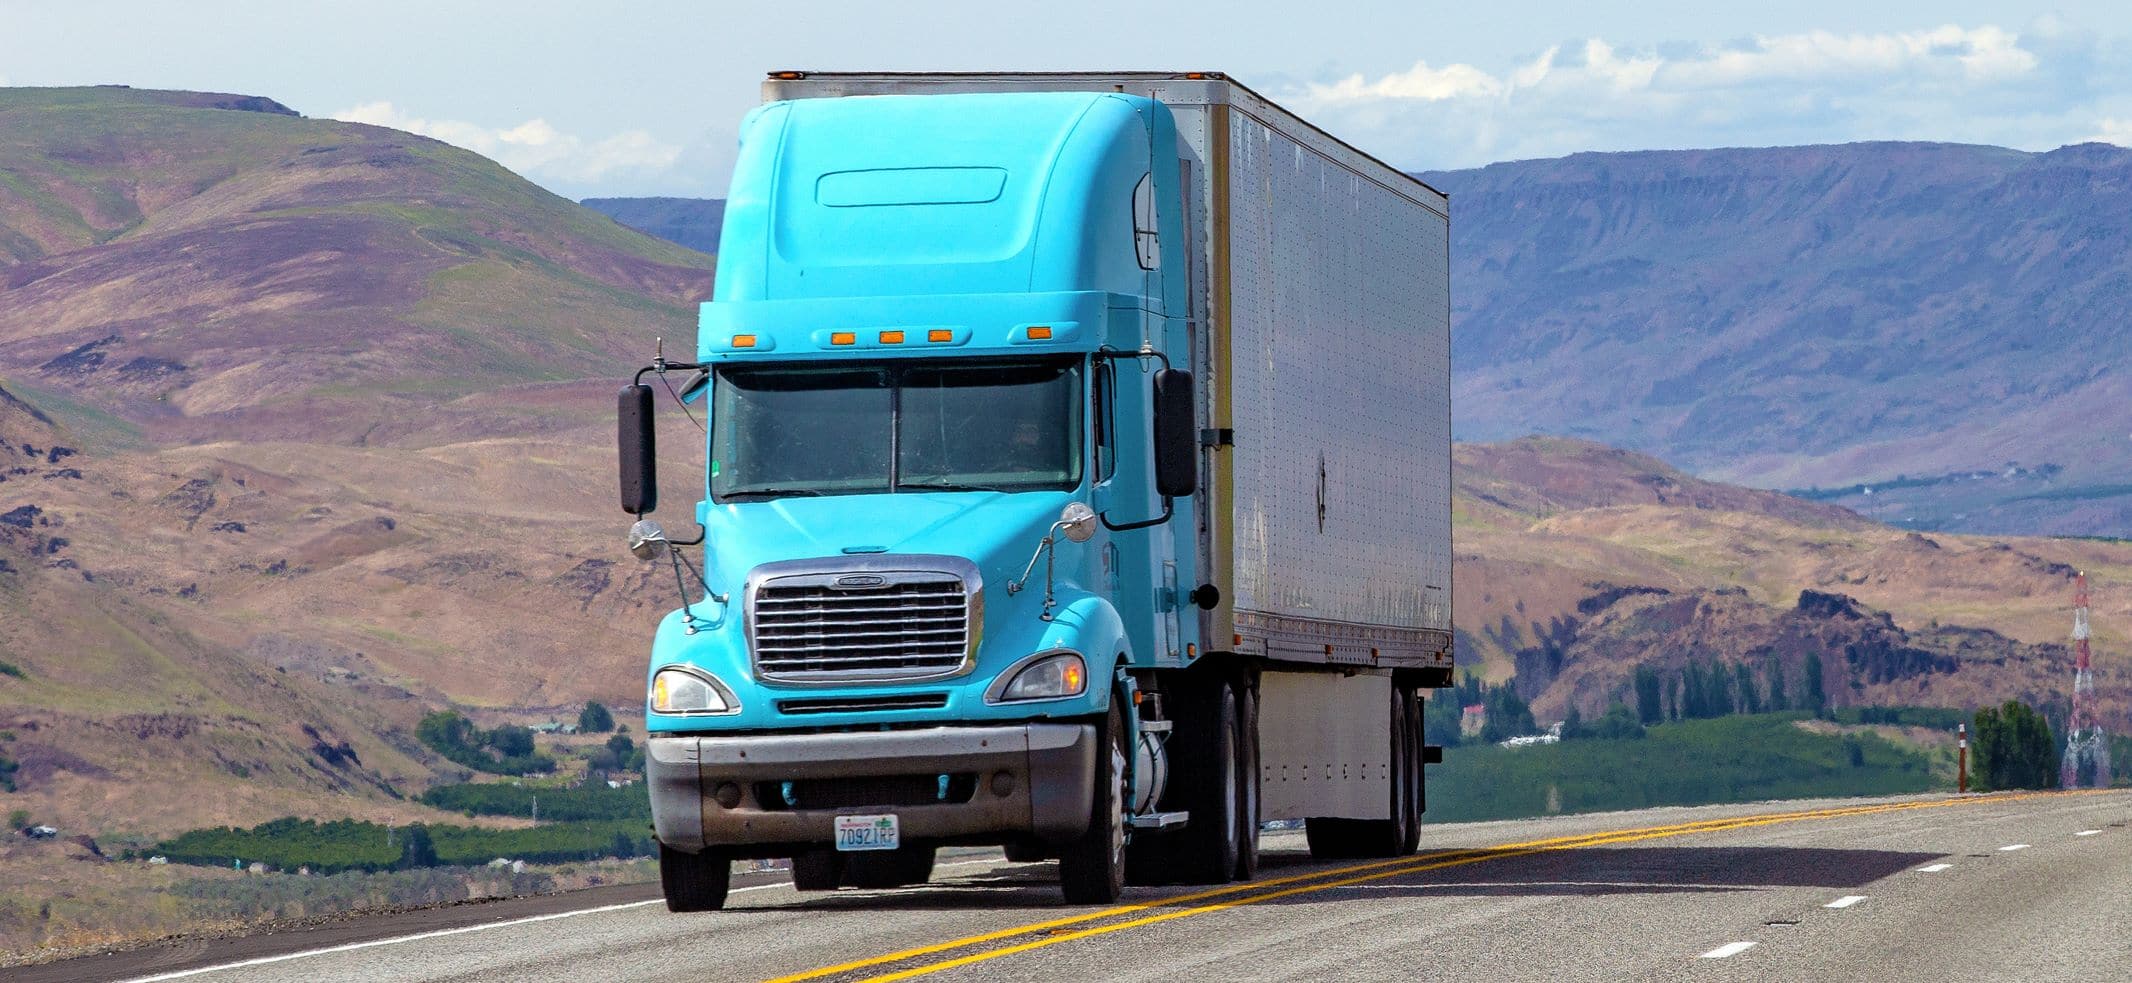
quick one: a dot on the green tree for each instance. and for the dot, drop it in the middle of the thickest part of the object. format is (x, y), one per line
(1779, 693)
(1750, 700)
(595, 719)
(1650, 701)
(512, 741)
(1816, 696)
(417, 850)
(18, 819)
(2014, 748)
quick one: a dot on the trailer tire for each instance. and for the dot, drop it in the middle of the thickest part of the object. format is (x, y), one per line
(1340, 839)
(1247, 810)
(817, 870)
(1092, 867)
(889, 868)
(1410, 701)
(694, 881)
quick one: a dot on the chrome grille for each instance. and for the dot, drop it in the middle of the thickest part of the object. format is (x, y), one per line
(844, 626)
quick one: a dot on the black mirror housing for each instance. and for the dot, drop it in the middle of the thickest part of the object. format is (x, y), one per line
(637, 445)
(1176, 435)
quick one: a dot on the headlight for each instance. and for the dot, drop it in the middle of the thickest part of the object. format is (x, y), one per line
(1050, 677)
(684, 691)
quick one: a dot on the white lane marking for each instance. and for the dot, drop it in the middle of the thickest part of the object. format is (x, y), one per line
(2012, 848)
(1934, 868)
(441, 933)
(1845, 901)
(2087, 832)
(1727, 951)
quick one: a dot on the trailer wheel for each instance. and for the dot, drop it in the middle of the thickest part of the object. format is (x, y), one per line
(1092, 867)
(1247, 806)
(694, 881)
(817, 870)
(889, 868)
(1332, 838)
(1410, 702)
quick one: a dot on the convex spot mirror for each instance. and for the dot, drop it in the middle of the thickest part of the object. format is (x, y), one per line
(637, 453)
(1176, 436)
(646, 539)
(1077, 522)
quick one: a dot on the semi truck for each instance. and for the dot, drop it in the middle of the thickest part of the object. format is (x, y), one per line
(1077, 481)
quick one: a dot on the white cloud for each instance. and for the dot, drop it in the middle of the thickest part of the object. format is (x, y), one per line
(1982, 84)
(2117, 131)
(532, 148)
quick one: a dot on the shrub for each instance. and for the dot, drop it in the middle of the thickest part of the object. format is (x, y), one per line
(595, 718)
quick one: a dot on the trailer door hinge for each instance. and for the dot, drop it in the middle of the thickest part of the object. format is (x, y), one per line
(1222, 437)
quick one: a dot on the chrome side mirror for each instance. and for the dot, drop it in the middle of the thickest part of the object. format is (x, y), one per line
(1077, 522)
(647, 540)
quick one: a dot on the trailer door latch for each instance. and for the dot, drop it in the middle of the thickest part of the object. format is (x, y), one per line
(1223, 437)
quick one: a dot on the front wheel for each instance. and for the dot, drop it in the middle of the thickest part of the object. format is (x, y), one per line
(694, 881)
(817, 870)
(1092, 867)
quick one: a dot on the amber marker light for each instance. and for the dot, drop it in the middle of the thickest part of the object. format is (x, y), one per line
(892, 337)
(843, 338)
(743, 341)
(940, 334)
(1040, 333)
(1073, 677)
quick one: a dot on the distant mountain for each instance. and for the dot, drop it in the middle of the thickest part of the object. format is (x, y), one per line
(1803, 317)
(210, 267)
(692, 222)
(1577, 563)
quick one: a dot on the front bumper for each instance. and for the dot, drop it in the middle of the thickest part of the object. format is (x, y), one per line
(1028, 779)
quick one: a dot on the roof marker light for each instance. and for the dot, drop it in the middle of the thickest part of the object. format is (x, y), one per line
(940, 334)
(892, 337)
(1040, 333)
(843, 338)
(743, 341)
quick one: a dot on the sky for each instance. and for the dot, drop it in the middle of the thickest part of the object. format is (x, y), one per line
(643, 98)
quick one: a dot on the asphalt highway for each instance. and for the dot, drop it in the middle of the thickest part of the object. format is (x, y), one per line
(1937, 888)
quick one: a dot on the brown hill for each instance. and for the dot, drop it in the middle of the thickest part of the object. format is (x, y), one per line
(306, 433)
(211, 267)
(1577, 562)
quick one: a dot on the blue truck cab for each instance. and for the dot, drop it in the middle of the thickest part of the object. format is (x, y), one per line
(934, 543)
(1077, 481)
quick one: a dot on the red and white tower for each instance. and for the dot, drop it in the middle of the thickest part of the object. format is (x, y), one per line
(2087, 748)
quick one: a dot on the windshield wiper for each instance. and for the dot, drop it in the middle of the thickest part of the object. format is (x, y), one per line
(758, 494)
(945, 486)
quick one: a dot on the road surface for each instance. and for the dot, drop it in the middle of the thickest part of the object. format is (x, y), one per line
(1938, 888)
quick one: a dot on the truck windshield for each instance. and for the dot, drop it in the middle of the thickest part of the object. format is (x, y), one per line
(780, 431)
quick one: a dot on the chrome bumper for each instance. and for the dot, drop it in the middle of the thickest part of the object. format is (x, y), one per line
(1030, 779)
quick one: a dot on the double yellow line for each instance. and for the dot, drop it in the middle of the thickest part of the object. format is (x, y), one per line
(1115, 918)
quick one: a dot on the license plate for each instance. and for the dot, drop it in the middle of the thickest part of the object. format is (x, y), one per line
(868, 833)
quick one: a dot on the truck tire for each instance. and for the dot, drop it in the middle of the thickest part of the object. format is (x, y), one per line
(1206, 747)
(1247, 812)
(817, 870)
(1092, 867)
(694, 881)
(1340, 839)
(1410, 702)
(889, 868)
